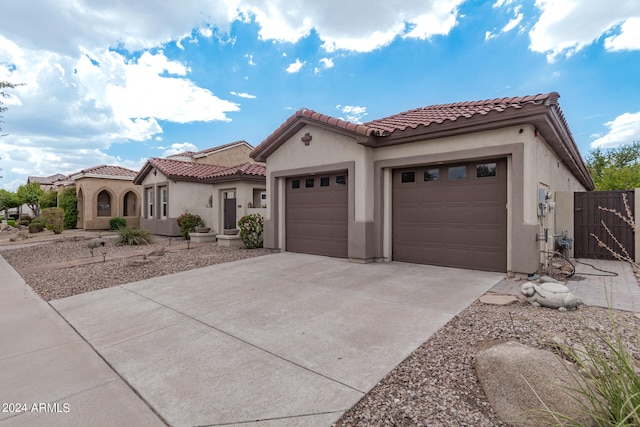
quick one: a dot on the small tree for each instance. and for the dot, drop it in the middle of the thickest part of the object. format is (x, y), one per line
(30, 195)
(49, 200)
(615, 168)
(8, 200)
(69, 203)
(251, 227)
(188, 223)
(54, 219)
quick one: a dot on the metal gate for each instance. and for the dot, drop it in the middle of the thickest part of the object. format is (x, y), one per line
(588, 218)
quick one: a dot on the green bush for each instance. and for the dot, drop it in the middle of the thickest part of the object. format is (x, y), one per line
(49, 200)
(11, 222)
(24, 222)
(117, 223)
(26, 217)
(133, 236)
(36, 227)
(53, 219)
(251, 227)
(188, 223)
(69, 203)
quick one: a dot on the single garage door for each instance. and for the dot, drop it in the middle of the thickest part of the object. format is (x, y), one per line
(451, 215)
(317, 213)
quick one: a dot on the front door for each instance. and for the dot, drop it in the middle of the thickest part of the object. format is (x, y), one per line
(229, 213)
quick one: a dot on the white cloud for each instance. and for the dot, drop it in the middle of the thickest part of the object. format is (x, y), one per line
(178, 147)
(627, 39)
(324, 64)
(334, 22)
(566, 26)
(354, 114)
(624, 129)
(295, 66)
(243, 95)
(515, 21)
(250, 58)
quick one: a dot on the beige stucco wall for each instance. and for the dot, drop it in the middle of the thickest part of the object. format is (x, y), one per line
(232, 156)
(90, 187)
(202, 199)
(531, 163)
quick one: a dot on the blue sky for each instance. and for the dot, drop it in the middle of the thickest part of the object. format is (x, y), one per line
(120, 82)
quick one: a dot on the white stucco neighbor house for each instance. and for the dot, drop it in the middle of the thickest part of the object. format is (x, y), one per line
(471, 184)
(208, 183)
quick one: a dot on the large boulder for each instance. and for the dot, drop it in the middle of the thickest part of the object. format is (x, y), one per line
(521, 382)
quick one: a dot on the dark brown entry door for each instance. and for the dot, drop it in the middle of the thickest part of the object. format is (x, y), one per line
(451, 215)
(317, 214)
(229, 213)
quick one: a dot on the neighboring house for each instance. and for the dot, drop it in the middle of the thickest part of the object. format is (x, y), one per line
(220, 194)
(105, 192)
(463, 185)
(47, 182)
(232, 154)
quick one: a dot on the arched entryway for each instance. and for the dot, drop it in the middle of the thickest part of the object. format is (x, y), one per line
(129, 204)
(104, 203)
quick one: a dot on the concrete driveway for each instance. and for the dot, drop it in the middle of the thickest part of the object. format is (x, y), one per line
(283, 339)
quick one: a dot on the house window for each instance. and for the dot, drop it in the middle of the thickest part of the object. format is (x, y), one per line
(295, 183)
(486, 169)
(457, 172)
(432, 175)
(149, 202)
(163, 202)
(406, 177)
(324, 181)
(341, 180)
(104, 203)
(309, 182)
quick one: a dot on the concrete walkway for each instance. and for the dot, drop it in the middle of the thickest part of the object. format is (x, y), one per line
(600, 283)
(54, 376)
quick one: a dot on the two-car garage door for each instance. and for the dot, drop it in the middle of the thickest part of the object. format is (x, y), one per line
(451, 215)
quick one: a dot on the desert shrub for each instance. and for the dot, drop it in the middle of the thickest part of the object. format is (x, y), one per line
(69, 203)
(188, 223)
(26, 217)
(53, 219)
(251, 227)
(612, 389)
(36, 227)
(24, 222)
(133, 236)
(11, 222)
(117, 223)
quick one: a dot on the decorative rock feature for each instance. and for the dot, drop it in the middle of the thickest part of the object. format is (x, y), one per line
(515, 377)
(20, 235)
(157, 253)
(551, 295)
(498, 299)
(96, 243)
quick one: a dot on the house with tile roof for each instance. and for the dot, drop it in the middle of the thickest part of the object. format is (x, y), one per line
(104, 192)
(477, 185)
(207, 183)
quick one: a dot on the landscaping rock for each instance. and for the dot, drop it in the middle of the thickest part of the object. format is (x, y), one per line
(498, 299)
(155, 252)
(519, 381)
(19, 235)
(96, 243)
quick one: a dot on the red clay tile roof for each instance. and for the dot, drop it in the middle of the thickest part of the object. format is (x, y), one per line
(243, 169)
(180, 169)
(437, 114)
(198, 172)
(47, 180)
(105, 170)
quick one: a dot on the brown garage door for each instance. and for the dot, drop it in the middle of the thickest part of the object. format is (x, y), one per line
(451, 215)
(317, 213)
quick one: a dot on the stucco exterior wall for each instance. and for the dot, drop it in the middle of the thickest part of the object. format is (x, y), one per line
(530, 163)
(88, 205)
(198, 198)
(232, 156)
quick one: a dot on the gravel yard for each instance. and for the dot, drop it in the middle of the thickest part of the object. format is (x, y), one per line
(435, 386)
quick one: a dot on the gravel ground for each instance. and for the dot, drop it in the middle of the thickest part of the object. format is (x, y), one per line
(435, 386)
(66, 282)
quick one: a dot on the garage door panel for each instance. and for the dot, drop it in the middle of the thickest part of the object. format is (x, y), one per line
(317, 217)
(457, 223)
